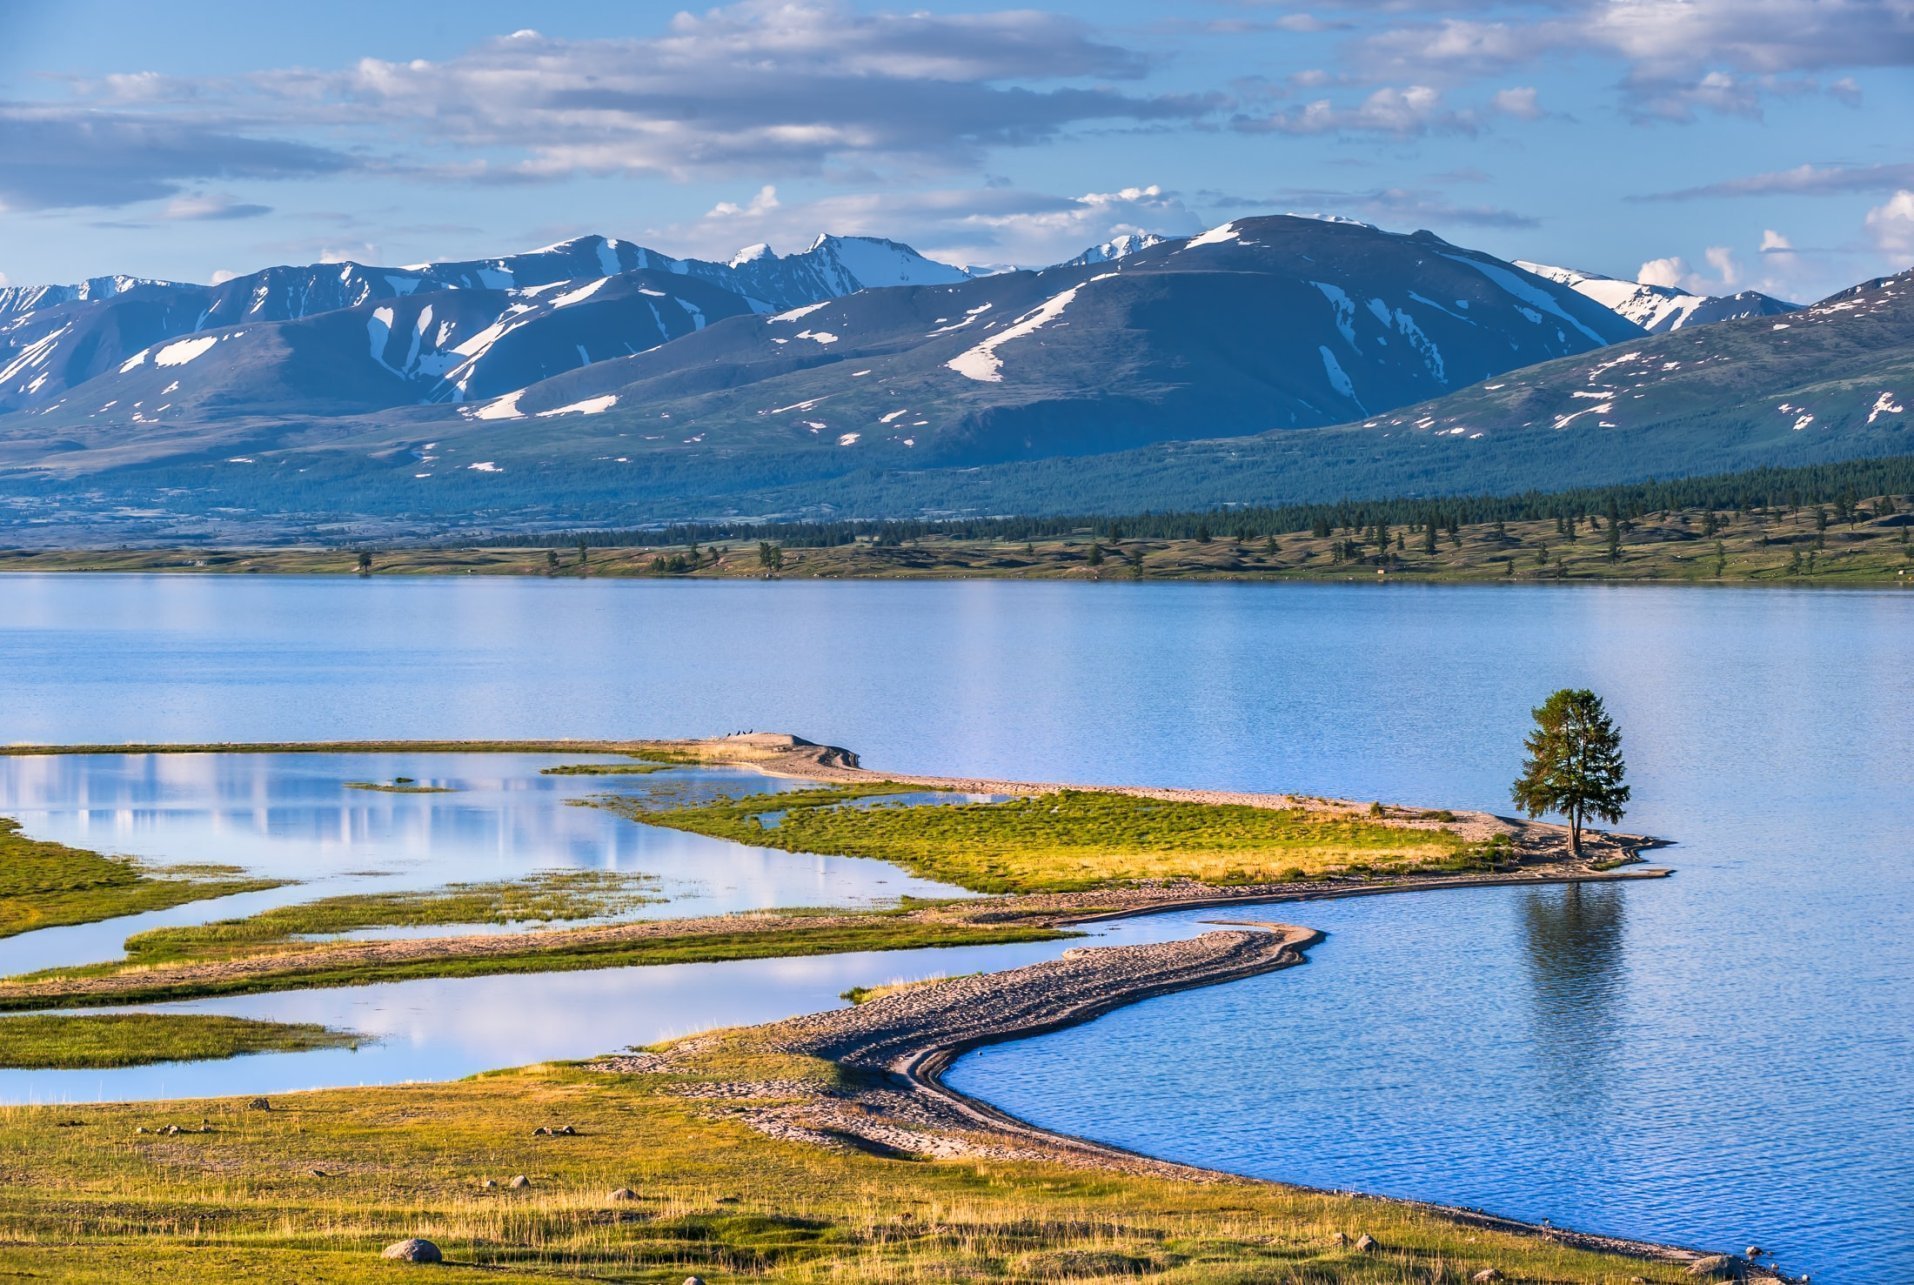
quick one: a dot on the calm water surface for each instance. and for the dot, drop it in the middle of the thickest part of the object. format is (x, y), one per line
(1724, 1057)
(297, 817)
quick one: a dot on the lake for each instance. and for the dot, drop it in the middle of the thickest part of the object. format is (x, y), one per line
(1721, 1058)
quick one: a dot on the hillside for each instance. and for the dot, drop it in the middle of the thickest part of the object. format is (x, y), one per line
(655, 391)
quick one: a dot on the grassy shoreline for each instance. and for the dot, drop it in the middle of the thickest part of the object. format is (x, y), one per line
(1803, 546)
(92, 1041)
(50, 885)
(675, 1168)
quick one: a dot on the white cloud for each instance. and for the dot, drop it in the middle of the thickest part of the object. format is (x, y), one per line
(222, 275)
(958, 225)
(3, 281)
(1519, 102)
(763, 203)
(1682, 56)
(1807, 180)
(202, 206)
(1891, 226)
(1676, 271)
(1663, 272)
(1412, 109)
(762, 87)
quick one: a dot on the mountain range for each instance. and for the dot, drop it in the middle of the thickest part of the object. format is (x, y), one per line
(1660, 308)
(597, 381)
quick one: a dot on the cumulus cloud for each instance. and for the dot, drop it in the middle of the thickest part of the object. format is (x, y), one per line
(1675, 271)
(1891, 226)
(959, 225)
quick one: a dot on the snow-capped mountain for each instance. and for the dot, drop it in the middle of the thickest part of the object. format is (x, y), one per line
(1658, 309)
(18, 299)
(55, 338)
(1261, 323)
(1117, 248)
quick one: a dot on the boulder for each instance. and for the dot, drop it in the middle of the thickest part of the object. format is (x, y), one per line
(413, 1251)
(1367, 1243)
(490, 1184)
(694, 1280)
(1485, 1275)
(624, 1193)
(1720, 1267)
(519, 1182)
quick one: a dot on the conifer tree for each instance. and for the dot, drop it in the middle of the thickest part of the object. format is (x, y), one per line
(1574, 764)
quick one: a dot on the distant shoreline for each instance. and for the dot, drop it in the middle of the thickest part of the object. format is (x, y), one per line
(1795, 547)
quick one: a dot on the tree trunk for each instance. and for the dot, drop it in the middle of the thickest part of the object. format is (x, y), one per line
(1575, 834)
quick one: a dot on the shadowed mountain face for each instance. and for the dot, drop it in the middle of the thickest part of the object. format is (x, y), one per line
(1265, 360)
(1263, 323)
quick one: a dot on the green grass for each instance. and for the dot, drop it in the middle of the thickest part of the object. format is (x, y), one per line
(606, 769)
(545, 897)
(45, 885)
(1069, 841)
(865, 994)
(552, 952)
(313, 1188)
(41, 1042)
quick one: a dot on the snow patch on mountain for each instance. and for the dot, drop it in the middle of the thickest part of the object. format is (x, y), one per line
(505, 407)
(184, 350)
(1215, 236)
(1513, 283)
(982, 363)
(590, 406)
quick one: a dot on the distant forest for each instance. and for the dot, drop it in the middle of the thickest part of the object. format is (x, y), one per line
(1841, 487)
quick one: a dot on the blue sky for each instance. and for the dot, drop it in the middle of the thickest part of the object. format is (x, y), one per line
(1718, 144)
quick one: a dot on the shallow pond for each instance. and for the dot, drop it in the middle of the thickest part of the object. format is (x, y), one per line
(297, 817)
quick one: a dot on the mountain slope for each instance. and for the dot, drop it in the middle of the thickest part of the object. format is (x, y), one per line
(1832, 381)
(1658, 309)
(1277, 322)
(53, 339)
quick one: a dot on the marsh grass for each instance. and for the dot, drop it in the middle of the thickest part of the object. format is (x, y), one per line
(46, 885)
(63, 1042)
(557, 951)
(246, 1202)
(1068, 841)
(547, 896)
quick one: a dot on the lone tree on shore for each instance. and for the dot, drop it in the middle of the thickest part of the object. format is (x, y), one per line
(1574, 765)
